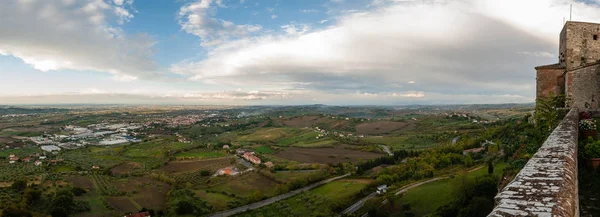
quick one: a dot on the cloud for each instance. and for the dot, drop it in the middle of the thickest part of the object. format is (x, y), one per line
(323, 21)
(197, 19)
(309, 11)
(75, 35)
(273, 16)
(465, 47)
(535, 54)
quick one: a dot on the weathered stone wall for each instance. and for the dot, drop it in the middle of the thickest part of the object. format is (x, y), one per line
(578, 46)
(549, 80)
(547, 185)
(583, 88)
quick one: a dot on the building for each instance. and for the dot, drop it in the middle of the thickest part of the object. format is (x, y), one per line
(473, 150)
(269, 164)
(95, 167)
(576, 73)
(232, 171)
(26, 160)
(13, 159)
(250, 157)
(226, 147)
(382, 189)
(38, 163)
(141, 214)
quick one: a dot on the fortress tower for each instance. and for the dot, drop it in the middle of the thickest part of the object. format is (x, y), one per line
(576, 73)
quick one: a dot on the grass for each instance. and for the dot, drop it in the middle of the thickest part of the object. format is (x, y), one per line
(200, 154)
(269, 134)
(247, 184)
(319, 200)
(59, 169)
(218, 201)
(428, 197)
(341, 189)
(291, 176)
(264, 150)
(156, 149)
(22, 152)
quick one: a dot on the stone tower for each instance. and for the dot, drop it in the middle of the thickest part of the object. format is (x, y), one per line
(576, 73)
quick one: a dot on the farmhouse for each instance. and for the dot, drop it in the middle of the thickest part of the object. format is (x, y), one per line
(226, 147)
(232, 171)
(250, 157)
(269, 164)
(473, 150)
(38, 163)
(26, 160)
(13, 159)
(141, 214)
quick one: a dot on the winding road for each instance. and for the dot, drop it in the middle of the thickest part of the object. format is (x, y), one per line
(356, 206)
(387, 150)
(271, 200)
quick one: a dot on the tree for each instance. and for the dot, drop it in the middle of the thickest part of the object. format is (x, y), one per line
(19, 185)
(490, 167)
(77, 191)
(255, 196)
(468, 161)
(204, 173)
(184, 208)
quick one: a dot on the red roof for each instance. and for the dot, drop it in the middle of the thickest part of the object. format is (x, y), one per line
(141, 214)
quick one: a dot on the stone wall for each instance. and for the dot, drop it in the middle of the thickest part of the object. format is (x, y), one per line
(579, 44)
(547, 185)
(549, 79)
(583, 87)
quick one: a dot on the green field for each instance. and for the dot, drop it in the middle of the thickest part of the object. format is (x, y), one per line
(269, 134)
(217, 200)
(428, 197)
(264, 150)
(200, 154)
(333, 195)
(23, 152)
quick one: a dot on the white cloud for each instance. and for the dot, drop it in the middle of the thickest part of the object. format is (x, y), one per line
(460, 47)
(535, 54)
(196, 18)
(309, 11)
(273, 16)
(58, 34)
(323, 21)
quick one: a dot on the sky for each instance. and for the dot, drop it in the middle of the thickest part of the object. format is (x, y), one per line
(279, 52)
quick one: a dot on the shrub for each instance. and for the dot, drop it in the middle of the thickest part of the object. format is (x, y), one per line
(592, 149)
(585, 116)
(77, 191)
(587, 125)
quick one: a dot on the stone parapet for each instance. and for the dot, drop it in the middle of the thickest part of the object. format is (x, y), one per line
(547, 185)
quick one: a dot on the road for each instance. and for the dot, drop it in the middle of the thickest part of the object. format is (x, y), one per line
(244, 162)
(356, 206)
(271, 200)
(296, 171)
(455, 139)
(387, 150)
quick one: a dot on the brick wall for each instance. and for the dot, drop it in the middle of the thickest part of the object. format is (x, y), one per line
(549, 80)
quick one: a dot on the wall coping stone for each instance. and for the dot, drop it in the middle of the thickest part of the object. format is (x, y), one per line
(547, 185)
